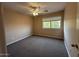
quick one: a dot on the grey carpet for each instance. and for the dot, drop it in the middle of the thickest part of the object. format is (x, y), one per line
(36, 46)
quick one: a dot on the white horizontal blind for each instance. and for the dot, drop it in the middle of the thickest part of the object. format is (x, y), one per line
(55, 18)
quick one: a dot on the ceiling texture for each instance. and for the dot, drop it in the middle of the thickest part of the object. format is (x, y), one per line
(22, 7)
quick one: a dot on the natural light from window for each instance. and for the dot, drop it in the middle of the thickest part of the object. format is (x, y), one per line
(52, 22)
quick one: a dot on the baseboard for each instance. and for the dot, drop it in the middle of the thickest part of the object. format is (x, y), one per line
(67, 50)
(4, 54)
(18, 39)
(48, 37)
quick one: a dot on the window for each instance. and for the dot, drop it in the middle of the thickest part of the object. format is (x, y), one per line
(46, 24)
(55, 24)
(52, 22)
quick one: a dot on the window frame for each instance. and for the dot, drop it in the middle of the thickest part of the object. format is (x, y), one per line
(51, 21)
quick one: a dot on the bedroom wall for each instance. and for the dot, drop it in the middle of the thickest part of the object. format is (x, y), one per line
(2, 35)
(77, 28)
(17, 26)
(55, 33)
(70, 28)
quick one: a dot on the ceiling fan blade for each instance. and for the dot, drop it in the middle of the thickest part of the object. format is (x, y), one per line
(44, 11)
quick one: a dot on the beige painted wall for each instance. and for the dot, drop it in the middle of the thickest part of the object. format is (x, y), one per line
(38, 30)
(17, 26)
(77, 27)
(2, 36)
(70, 28)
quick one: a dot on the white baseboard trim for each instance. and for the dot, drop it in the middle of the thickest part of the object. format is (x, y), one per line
(49, 36)
(18, 39)
(67, 50)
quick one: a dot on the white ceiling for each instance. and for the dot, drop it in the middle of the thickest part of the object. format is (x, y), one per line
(22, 6)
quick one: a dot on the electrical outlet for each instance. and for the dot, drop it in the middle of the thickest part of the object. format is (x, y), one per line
(75, 45)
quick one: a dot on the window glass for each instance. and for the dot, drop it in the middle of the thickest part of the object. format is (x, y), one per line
(55, 24)
(46, 24)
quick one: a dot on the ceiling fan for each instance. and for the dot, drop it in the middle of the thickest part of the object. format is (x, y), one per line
(36, 10)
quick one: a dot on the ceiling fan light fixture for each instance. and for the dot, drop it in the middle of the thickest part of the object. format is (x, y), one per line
(35, 14)
(36, 11)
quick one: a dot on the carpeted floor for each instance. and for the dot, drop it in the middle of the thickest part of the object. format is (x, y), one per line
(36, 46)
